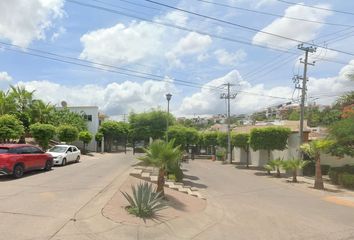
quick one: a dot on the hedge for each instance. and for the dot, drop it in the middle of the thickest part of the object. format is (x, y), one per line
(347, 180)
(309, 169)
(336, 174)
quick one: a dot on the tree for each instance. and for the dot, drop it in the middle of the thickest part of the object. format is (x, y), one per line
(67, 133)
(210, 139)
(10, 128)
(22, 97)
(113, 130)
(222, 139)
(241, 141)
(85, 137)
(313, 150)
(64, 116)
(184, 136)
(295, 165)
(43, 133)
(40, 111)
(273, 165)
(342, 132)
(150, 124)
(7, 104)
(269, 139)
(163, 156)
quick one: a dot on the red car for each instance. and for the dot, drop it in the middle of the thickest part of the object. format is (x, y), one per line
(16, 159)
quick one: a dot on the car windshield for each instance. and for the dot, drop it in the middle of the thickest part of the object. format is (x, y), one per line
(58, 149)
(4, 150)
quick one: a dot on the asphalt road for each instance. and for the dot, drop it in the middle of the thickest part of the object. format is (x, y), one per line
(255, 206)
(38, 205)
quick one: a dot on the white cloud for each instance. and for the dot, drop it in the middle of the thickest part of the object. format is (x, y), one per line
(58, 33)
(122, 44)
(175, 17)
(113, 99)
(303, 31)
(21, 22)
(226, 58)
(207, 101)
(192, 43)
(5, 80)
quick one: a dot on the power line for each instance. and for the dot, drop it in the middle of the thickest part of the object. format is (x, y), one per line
(245, 27)
(225, 38)
(274, 14)
(93, 66)
(316, 7)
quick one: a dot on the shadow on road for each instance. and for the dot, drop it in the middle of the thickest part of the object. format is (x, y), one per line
(194, 184)
(190, 177)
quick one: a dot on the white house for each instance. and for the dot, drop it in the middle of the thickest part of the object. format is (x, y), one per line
(93, 119)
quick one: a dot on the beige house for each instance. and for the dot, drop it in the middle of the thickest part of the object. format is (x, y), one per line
(259, 158)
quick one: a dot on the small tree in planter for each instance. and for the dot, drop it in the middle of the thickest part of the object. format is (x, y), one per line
(42, 133)
(220, 154)
(67, 133)
(294, 165)
(162, 155)
(85, 137)
(269, 139)
(273, 165)
(241, 141)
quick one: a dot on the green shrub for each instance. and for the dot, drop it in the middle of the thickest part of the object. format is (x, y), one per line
(171, 177)
(43, 133)
(220, 154)
(145, 201)
(67, 133)
(336, 172)
(347, 180)
(310, 168)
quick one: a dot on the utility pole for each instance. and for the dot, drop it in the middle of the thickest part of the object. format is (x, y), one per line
(228, 96)
(303, 88)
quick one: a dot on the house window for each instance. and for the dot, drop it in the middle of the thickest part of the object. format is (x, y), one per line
(88, 118)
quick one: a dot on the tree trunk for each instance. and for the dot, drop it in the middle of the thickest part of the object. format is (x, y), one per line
(278, 172)
(295, 175)
(268, 151)
(318, 176)
(247, 160)
(161, 182)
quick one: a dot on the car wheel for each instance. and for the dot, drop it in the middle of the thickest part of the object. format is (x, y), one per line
(18, 171)
(77, 159)
(63, 162)
(48, 165)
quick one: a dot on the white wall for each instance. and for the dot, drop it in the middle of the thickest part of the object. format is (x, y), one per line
(91, 125)
(336, 161)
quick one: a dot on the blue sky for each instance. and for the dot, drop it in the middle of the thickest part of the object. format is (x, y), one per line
(262, 76)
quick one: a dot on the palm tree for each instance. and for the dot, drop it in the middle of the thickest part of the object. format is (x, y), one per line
(7, 104)
(40, 111)
(295, 165)
(22, 97)
(313, 150)
(273, 165)
(162, 155)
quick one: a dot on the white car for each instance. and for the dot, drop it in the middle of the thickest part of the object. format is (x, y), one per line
(63, 154)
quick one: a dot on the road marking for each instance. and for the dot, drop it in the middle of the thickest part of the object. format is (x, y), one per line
(345, 201)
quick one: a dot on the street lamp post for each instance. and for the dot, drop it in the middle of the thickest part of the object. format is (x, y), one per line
(168, 97)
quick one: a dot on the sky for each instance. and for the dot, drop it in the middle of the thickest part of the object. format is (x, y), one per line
(125, 55)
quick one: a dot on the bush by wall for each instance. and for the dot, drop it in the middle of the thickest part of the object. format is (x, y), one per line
(309, 169)
(347, 180)
(336, 174)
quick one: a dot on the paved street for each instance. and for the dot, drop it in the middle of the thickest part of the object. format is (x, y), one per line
(66, 204)
(259, 207)
(40, 204)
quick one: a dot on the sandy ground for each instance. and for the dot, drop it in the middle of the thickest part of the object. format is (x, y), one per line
(179, 205)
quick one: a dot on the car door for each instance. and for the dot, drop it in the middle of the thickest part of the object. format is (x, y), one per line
(75, 153)
(39, 157)
(69, 154)
(27, 158)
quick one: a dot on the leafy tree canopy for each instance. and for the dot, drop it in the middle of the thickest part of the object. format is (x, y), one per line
(67, 133)
(85, 137)
(10, 128)
(269, 138)
(240, 140)
(183, 136)
(64, 116)
(43, 133)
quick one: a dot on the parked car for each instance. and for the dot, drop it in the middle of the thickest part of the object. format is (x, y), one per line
(63, 154)
(16, 159)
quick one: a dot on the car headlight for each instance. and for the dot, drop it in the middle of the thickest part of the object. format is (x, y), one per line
(58, 157)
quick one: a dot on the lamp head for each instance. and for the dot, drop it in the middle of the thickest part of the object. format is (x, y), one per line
(168, 96)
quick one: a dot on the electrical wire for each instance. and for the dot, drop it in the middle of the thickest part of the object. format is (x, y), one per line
(316, 7)
(274, 14)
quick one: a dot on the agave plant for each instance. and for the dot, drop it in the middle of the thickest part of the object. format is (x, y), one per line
(145, 201)
(294, 165)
